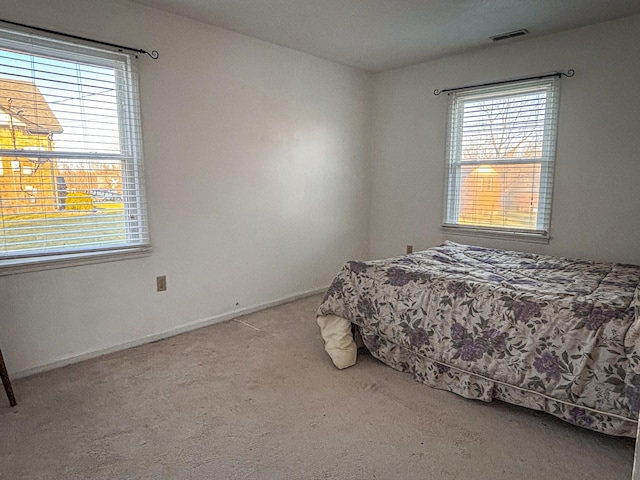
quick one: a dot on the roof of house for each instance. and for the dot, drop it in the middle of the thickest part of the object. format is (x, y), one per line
(24, 101)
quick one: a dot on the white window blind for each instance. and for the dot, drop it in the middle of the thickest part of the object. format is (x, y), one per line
(71, 172)
(500, 156)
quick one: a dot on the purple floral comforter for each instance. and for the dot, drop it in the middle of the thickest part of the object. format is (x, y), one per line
(549, 333)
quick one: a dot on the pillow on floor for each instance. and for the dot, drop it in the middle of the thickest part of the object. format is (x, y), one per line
(338, 340)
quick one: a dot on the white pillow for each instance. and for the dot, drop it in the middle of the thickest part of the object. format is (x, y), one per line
(338, 340)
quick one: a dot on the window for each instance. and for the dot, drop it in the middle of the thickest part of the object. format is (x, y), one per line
(500, 155)
(72, 184)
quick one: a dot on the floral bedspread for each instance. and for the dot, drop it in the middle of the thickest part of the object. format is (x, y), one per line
(550, 333)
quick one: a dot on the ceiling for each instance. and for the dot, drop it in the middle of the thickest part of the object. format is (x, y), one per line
(377, 35)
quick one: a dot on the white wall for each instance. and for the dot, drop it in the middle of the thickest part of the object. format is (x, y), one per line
(596, 203)
(257, 182)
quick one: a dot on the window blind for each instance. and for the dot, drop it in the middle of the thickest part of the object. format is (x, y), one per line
(500, 157)
(71, 167)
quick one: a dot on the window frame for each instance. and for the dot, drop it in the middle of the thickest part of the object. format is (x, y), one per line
(130, 156)
(454, 162)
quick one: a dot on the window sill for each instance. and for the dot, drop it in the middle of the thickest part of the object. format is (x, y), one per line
(36, 264)
(513, 235)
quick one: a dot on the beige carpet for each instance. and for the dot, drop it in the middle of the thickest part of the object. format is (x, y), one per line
(257, 398)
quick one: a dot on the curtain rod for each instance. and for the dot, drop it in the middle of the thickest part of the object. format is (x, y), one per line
(153, 54)
(570, 73)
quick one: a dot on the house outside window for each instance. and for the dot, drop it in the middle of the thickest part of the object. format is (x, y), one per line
(500, 158)
(72, 184)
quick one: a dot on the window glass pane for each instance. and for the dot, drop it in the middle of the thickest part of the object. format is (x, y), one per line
(75, 102)
(511, 127)
(63, 204)
(500, 195)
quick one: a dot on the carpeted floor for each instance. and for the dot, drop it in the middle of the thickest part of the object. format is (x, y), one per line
(257, 398)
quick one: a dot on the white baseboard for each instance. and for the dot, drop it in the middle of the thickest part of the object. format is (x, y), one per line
(187, 327)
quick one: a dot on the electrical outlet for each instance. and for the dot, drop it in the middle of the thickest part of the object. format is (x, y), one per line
(161, 283)
(409, 248)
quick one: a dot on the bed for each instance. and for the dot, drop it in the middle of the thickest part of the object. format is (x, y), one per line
(548, 333)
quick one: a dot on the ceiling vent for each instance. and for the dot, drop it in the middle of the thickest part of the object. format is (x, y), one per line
(505, 36)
